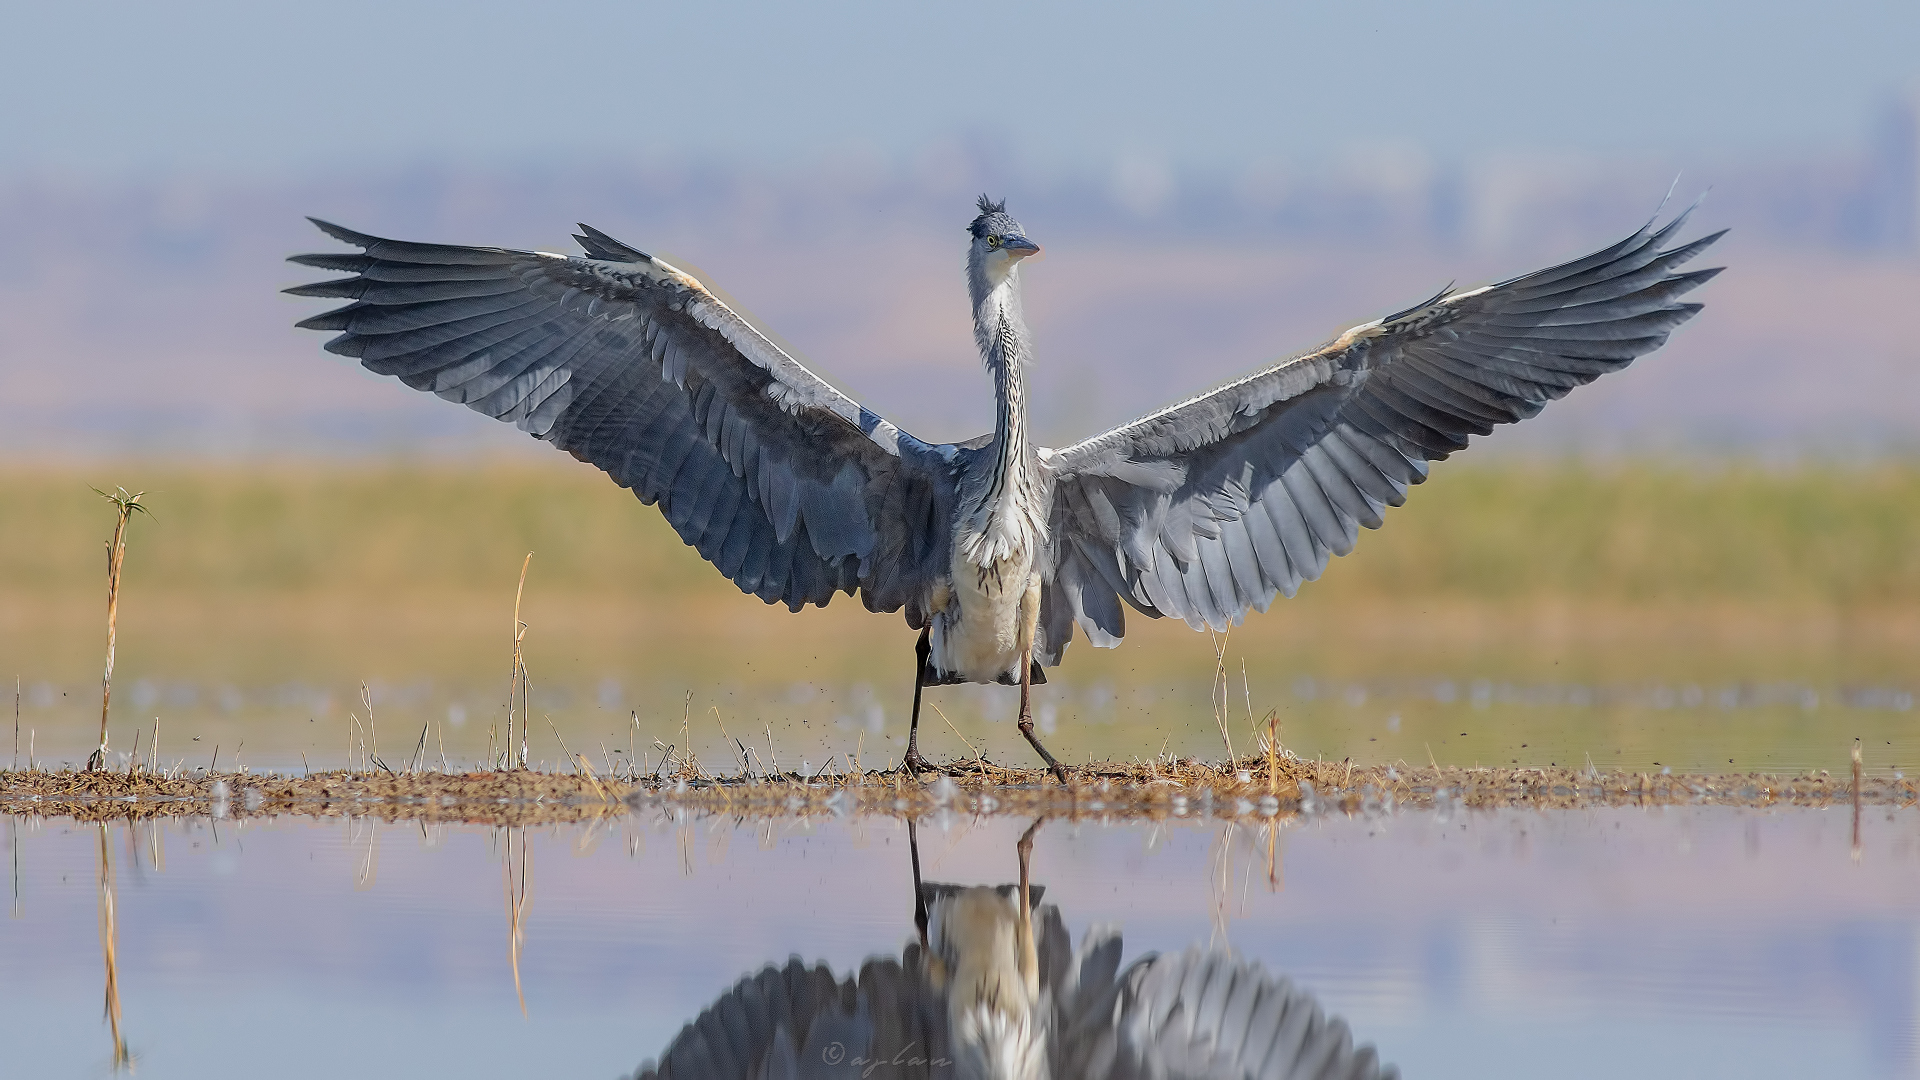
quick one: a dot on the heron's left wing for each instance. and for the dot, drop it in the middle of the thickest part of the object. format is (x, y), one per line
(1205, 1015)
(788, 486)
(1214, 506)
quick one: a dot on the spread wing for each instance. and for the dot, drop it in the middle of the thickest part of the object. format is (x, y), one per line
(1215, 505)
(792, 489)
(801, 1023)
(1204, 1015)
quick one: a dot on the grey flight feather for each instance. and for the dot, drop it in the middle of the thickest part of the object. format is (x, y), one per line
(787, 485)
(1216, 505)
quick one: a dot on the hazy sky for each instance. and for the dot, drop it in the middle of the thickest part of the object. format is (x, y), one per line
(203, 86)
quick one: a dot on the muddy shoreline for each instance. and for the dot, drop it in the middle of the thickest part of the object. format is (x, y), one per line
(1114, 790)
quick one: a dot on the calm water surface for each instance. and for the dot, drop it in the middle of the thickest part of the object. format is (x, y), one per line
(1605, 943)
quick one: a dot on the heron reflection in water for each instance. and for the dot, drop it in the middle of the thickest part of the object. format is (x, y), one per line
(994, 987)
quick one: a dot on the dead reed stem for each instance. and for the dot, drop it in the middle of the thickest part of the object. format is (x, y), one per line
(563, 742)
(1273, 756)
(1221, 688)
(977, 755)
(373, 732)
(517, 685)
(125, 506)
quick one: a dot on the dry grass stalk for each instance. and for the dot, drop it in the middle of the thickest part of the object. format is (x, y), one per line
(125, 506)
(1273, 756)
(562, 740)
(977, 755)
(1219, 695)
(373, 731)
(518, 685)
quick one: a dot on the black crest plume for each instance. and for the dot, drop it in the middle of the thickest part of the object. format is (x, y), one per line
(988, 209)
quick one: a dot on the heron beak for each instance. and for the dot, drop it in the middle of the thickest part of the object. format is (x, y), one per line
(1019, 247)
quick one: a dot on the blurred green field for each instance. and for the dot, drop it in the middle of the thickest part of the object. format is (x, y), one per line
(1641, 612)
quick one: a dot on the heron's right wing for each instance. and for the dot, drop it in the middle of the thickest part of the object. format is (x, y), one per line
(1204, 1015)
(792, 489)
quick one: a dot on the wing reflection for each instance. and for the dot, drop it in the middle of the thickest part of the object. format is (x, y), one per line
(995, 987)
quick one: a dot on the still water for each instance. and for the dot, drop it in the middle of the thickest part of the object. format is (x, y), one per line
(1603, 943)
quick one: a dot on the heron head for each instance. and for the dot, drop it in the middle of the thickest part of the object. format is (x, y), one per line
(999, 243)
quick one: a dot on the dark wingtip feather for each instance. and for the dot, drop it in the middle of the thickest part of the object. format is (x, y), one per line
(351, 263)
(346, 288)
(337, 319)
(1697, 278)
(343, 234)
(346, 345)
(601, 246)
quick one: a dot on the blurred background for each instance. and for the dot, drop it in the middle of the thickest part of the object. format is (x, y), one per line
(1710, 560)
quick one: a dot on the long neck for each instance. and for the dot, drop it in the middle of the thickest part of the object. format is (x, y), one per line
(1007, 519)
(1001, 334)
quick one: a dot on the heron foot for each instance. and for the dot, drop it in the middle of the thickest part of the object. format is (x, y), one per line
(914, 763)
(1059, 770)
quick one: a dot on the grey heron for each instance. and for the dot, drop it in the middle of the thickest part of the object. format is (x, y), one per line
(994, 548)
(995, 988)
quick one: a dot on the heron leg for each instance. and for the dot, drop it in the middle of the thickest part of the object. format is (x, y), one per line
(1026, 714)
(912, 761)
(919, 894)
(1029, 950)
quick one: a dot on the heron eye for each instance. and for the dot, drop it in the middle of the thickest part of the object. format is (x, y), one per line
(993, 241)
